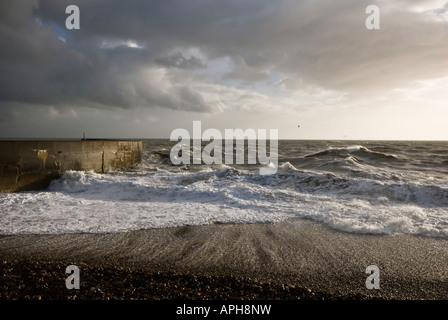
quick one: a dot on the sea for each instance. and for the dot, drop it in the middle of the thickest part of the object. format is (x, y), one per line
(366, 187)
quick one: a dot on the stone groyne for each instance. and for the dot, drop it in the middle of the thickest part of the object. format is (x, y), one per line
(32, 164)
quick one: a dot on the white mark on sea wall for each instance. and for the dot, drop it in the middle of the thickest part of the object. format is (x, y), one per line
(42, 155)
(56, 162)
(72, 281)
(373, 280)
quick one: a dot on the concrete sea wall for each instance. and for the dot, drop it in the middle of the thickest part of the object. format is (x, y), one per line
(31, 165)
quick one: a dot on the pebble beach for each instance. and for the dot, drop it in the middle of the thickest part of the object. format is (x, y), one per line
(292, 260)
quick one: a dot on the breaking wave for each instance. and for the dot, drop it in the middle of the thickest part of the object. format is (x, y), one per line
(342, 187)
(352, 150)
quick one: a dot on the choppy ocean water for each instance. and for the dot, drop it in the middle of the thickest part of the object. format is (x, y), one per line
(380, 187)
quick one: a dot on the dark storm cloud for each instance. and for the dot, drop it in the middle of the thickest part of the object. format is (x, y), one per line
(136, 53)
(43, 63)
(179, 61)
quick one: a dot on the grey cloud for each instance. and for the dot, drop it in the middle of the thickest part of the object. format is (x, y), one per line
(249, 69)
(39, 68)
(441, 11)
(179, 61)
(320, 44)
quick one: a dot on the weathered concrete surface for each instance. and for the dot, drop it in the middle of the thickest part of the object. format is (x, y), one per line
(31, 165)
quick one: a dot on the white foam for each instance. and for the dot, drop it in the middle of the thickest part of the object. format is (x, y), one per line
(350, 149)
(115, 202)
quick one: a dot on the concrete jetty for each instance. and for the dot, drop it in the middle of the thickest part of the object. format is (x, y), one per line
(32, 164)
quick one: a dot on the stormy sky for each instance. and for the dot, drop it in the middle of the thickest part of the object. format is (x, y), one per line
(139, 68)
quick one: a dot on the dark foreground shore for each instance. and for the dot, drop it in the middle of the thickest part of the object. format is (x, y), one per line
(296, 259)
